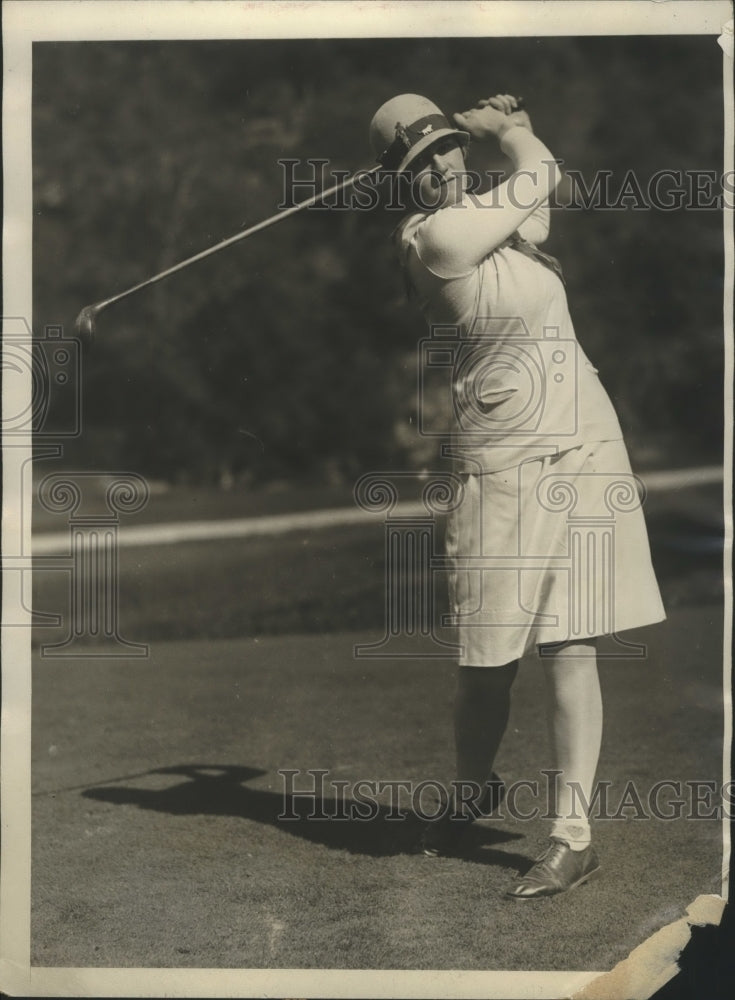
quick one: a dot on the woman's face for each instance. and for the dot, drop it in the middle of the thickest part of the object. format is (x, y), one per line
(438, 175)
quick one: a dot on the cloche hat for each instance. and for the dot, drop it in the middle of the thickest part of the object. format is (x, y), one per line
(404, 126)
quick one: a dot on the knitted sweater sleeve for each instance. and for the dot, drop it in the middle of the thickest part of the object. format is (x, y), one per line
(456, 238)
(536, 227)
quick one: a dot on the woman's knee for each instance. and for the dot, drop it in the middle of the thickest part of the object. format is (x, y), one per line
(580, 648)
(570, 667)
(478, 681)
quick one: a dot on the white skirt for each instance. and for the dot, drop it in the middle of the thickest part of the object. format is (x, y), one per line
(553, 550)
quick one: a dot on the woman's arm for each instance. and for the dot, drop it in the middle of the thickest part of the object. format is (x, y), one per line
(455, 239)
(536, 227)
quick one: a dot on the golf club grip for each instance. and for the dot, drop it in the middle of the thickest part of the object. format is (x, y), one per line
(520, 104)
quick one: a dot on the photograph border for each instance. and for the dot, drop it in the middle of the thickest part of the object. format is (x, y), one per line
(29, 21)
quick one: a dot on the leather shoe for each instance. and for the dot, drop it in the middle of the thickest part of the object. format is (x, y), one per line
(558, 869)
(441, 836)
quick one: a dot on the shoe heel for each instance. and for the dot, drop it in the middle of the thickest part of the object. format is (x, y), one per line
(589, 878)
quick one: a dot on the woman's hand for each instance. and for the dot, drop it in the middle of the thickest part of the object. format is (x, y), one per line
(512, 106)
(493, 116)
(451, 243)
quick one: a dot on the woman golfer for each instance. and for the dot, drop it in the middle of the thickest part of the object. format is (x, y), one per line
(547, 546)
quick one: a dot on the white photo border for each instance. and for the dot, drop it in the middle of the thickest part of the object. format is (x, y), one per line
(28, 21)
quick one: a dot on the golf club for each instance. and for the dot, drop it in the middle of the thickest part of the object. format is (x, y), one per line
(85, 321)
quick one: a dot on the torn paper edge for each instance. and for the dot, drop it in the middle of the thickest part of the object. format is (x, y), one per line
(652, 964)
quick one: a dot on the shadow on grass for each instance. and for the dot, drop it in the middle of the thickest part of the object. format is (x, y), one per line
(219, 790)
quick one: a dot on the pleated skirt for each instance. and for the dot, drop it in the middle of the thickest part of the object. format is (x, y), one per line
(553, 550)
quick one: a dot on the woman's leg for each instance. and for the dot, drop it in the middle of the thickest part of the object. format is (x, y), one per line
(574, 713)
(481, 710)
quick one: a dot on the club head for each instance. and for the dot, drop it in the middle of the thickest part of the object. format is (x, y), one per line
(85, 324)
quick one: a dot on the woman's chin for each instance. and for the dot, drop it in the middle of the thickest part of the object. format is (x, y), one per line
(440, 196)
(451, 194)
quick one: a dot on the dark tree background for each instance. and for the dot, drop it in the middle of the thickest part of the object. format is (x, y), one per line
(294, 353)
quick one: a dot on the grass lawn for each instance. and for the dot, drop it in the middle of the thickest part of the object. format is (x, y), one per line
(156, 800)
(156, 837)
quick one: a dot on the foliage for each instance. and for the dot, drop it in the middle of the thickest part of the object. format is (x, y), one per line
(294, 353)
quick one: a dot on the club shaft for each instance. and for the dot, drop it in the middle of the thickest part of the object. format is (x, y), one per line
(231, 240)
